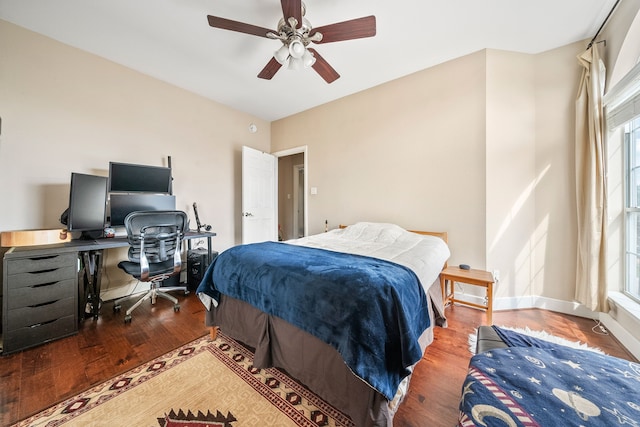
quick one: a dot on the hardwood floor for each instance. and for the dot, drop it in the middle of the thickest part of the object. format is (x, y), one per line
(37, 378)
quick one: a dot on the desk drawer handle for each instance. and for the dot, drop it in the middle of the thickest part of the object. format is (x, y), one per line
(43, 257)
(43, 304)
(43, 271)
(42, 285)
(42, 323)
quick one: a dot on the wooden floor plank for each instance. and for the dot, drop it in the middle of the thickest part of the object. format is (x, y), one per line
(40, 377)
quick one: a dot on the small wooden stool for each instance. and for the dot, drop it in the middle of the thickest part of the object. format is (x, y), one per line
(470, 277)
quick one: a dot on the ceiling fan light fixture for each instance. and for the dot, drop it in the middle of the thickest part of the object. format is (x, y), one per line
(295, 63)
(308, 59)
(296, 33)
(297, 49)
(281, 55)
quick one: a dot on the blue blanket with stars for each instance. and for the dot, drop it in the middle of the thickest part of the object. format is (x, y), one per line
(550, 386)
(370, 310)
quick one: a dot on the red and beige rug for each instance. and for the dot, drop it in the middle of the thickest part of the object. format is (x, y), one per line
(202, 384)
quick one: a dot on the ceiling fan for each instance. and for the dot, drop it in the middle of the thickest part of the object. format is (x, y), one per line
(296, 33)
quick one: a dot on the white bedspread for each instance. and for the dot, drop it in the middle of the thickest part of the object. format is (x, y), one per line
(425, 255)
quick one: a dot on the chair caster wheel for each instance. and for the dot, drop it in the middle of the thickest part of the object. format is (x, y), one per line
(127, 319)
(116, 308)
(176, 308)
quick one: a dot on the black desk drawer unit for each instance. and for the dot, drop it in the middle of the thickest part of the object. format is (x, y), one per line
(40, 300)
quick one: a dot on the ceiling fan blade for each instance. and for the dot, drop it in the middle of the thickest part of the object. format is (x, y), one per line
(270, 69)
(292, 8)
(241, 27)
(323, 68)
(347, 30)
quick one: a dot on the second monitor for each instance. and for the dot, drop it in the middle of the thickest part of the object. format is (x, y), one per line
(123, 204)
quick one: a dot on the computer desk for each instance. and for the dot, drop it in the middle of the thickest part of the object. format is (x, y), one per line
(27, 262)
(91, 254)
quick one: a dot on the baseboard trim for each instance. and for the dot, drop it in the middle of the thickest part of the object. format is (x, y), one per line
(617, 330)
(566, 307)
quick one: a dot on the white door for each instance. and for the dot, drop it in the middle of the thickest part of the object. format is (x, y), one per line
(258, 196)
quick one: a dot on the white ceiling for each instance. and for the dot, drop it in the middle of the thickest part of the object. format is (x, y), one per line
(172, 41)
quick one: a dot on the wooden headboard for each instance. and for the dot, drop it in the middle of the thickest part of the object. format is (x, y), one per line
(440, 234)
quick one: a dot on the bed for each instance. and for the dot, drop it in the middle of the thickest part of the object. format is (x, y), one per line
(348, 312)
(524, 381)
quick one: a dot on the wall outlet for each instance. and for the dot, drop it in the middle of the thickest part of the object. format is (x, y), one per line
(496, 275)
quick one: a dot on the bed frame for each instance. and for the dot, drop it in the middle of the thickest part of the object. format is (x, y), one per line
(213, 332)
(241, 321)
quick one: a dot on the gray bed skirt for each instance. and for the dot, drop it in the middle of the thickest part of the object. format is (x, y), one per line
(314, 363)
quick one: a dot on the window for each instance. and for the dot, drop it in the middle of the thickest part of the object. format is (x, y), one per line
(622, 112)
(632, 207)
(622, 106)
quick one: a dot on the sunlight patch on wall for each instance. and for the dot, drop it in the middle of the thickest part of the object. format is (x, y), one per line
(539, 244)
(517, 206)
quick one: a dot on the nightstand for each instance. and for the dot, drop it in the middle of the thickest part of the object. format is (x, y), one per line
(470, 277)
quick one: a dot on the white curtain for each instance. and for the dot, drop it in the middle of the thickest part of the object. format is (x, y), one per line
(591, 279)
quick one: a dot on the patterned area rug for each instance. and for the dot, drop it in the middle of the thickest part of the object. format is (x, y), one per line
(204, 383)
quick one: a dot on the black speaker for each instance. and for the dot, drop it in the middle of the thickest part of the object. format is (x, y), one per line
(196, 266)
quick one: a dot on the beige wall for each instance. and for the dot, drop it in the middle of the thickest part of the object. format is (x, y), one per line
(557, 78)
(410, 152)
(64, 110)
(510, 160)
(622, 37)
(478, 146)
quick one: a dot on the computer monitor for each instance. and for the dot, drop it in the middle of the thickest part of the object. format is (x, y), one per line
(87, 202)
(122, 205)
(132, 178)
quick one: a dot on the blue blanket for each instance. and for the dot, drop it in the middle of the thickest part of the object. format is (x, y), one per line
(370, 310)
(547, 386)
(515, 339)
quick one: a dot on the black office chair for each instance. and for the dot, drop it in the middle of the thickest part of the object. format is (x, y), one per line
(155, 239)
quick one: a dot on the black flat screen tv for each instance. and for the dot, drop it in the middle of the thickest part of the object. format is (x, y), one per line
(132, 178)
(122, 205)
(87, 202)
